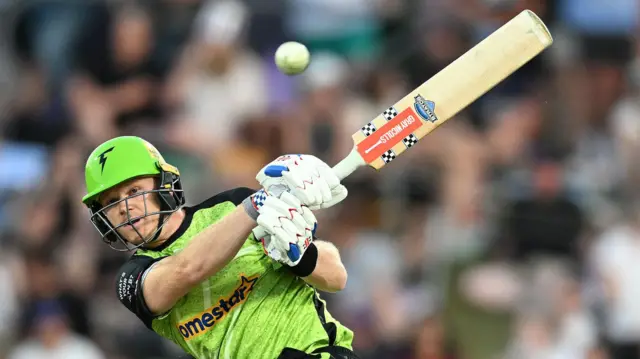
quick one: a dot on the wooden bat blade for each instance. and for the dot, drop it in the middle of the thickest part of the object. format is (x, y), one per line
(448, 92)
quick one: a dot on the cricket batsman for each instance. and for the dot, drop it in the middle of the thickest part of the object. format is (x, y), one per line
(236, 276)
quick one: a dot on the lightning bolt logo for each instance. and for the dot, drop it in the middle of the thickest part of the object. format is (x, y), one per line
(103, 158)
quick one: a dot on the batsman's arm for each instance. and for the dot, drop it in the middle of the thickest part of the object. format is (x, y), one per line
(150, 287)
(173, 277)
(329, 274)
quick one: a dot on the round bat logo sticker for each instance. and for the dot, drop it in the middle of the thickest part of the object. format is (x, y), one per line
(425, 108)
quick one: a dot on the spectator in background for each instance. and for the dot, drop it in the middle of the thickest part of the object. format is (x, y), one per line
(349, 28)
(615, 260)
(329, 111)
(552, 321)
(534, 339)
(52, 338)
(431, 342)
(217, 84)
(116, 81)
(439, 42)
(548, 224)
(601, 39)
(46, 33)
(33, 116)
(221, 93)
(218, 88)
(577, 327)
(46, 284)
(43, 40)
(11, 285)
(626, 129)
(323, 121)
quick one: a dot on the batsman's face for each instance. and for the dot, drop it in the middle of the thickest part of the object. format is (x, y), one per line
(130, 205)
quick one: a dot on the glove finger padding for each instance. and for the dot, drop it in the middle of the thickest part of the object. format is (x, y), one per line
(338, 191)
(270, 245)
(285, 241)
(271, 220)
(303, 186)
(274, 227)
(295, 209)
(310, 219)
(324, 190)
(303, 211)
(283, 205)
(339, 194)
(310, 167)
(289, 226)
(271, 213)
(283, 238)
(259, 233)
(329, 176)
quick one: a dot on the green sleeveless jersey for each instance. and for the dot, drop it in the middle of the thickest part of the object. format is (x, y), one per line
(252, 308)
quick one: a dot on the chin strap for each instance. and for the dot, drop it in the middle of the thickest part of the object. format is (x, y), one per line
(161, 220)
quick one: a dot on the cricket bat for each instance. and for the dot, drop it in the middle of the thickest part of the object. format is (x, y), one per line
(448, 92)
(441, 97)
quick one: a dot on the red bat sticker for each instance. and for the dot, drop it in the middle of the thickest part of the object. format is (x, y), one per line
(390, 134)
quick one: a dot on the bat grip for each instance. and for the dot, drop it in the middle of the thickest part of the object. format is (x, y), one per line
(348, 164)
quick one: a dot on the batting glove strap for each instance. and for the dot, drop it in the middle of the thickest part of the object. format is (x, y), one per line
(253, 203)
(307, 263)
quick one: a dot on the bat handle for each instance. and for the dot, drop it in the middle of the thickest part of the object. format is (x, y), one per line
(348, 164)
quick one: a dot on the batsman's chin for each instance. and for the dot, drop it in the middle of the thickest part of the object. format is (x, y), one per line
(135, 235)
(136, 239)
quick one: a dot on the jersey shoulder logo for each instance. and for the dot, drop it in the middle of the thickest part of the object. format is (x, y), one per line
(103, 158)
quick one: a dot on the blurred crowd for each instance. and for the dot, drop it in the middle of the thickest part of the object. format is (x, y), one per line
(511, 232)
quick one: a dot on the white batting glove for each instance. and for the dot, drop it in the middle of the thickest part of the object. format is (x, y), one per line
(305, 176)
(286, 228)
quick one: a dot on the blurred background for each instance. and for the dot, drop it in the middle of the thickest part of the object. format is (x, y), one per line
(512, 231)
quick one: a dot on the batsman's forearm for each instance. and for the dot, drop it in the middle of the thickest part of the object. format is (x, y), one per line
(216, 246)
(330, 274)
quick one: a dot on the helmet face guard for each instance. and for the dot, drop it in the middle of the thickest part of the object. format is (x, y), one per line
(122, 159)
(171, 198)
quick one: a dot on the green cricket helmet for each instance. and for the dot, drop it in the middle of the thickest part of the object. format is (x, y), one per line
(119, 160)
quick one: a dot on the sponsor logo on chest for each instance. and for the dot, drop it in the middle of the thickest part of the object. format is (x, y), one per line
(203, 322)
